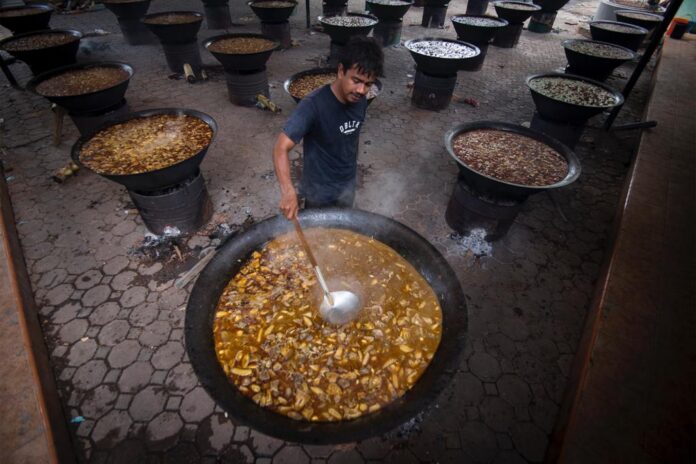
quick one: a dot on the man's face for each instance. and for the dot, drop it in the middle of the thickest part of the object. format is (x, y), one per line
(353, 84)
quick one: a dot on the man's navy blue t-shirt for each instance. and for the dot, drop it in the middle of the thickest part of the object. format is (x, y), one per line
(330, 130)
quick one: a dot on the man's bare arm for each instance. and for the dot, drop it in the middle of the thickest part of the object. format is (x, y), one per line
(281, 161)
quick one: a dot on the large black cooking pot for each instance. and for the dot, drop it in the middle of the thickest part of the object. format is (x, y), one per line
(37, 20)
(436, 3)
(160, 178)
(595, 67)
(335, 3)
(648, 21)
(128, 10)
(387, 12)
(43, 59)
(200, 313)
(273, 15)
(175, 33)
(241, 61)
(87, 102)
(625, 39)
(549, 6)
(557, 110)
(475, 33)
(342, 34)
(498, 188)
(440, 66)
(309, 72)
(512, 15)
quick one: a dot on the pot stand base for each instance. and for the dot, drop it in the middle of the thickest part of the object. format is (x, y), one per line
(434, 16)
(243, 87)
(542, 21)
(335, 50)
(567, 134)
(476, 63)
(388, 33)
(179, 54)
(185, 206)
(476, 7)
(218, 17)
(432, 92)
(468, 210)
(508, 36)
(87, 122)
(279, 32)
(135, 32)
(591, 73)
(332, 10)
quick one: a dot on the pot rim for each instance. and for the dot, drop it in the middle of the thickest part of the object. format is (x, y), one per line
(198, 15)
(350, 13)
(658, 16)
(607, 21)
(503, 22)
(405, 241)
(410, 2)
(210, 40)
(73, 32)
(501, 4)
(568, 41)
(442, 39)
(77, 146)
(125, 3)
(319, 70)
(29, 6)
(574, 167)
(619, 99)
(251, 3)
(36, 80)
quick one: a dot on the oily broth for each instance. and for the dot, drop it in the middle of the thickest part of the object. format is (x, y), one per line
(275, 347)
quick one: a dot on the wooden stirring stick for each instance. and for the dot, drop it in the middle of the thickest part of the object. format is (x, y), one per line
(312, 260)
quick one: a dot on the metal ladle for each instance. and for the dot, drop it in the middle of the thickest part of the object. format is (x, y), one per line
(338, 307)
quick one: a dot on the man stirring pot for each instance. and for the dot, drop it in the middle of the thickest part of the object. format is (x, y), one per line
(329, 121)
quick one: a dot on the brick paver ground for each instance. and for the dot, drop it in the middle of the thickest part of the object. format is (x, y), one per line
(114, 322)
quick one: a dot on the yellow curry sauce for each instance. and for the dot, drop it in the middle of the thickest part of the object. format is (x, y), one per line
(276, 348)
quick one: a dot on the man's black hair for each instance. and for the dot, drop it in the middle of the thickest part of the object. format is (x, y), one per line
(365, 54)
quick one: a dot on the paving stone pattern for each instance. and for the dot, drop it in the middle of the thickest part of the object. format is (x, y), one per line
(113, 320)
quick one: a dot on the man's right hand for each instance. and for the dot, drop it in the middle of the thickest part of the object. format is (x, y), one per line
(281, 161)
(288, 204)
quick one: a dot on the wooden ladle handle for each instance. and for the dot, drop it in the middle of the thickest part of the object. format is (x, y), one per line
(317, 270)
(303, 239)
